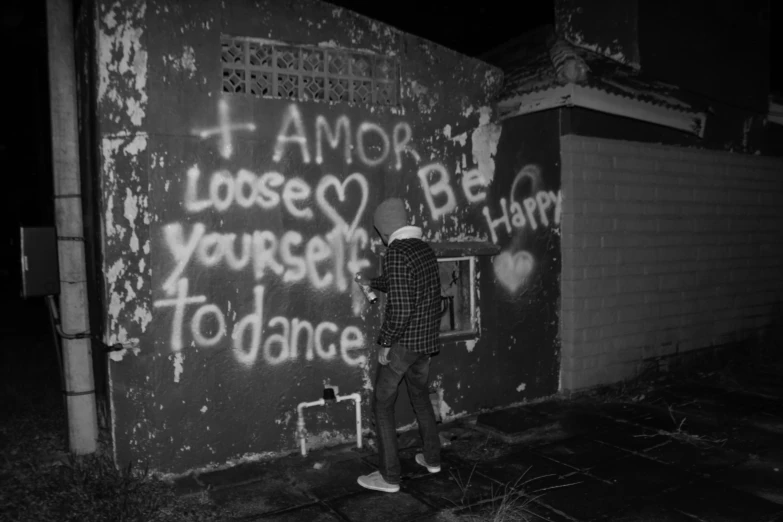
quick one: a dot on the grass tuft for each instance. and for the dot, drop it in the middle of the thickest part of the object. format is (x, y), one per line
(91, 488)
(40, 481)
(509, 504)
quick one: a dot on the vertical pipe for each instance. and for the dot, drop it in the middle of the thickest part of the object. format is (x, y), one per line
(473, 312)
(357, 399)
(300, 423)
(77, 353)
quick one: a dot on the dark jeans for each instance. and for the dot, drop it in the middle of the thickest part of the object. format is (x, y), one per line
(415, 369)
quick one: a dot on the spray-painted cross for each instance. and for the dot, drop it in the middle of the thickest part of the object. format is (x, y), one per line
(225, 129)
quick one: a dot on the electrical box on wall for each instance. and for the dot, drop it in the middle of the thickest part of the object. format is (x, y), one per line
(40, 265)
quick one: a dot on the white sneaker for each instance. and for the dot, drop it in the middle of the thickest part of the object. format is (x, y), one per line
(420, 461)
(376, 482)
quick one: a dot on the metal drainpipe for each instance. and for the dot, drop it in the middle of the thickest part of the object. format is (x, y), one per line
(77, 353)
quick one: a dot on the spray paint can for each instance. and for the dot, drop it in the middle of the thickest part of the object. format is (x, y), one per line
(371, 296)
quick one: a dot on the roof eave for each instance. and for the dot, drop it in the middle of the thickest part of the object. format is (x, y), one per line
(573, 95)
(775, 114)
(559, 96)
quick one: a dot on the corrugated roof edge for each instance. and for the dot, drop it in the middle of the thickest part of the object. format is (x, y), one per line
(609, 87)
(573, 95)
(775, 111)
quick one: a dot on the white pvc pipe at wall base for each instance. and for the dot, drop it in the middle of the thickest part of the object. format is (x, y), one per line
(357, 399)
(300, 422)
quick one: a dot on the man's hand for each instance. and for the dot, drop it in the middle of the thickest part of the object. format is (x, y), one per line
(383, 356)
(364, 281)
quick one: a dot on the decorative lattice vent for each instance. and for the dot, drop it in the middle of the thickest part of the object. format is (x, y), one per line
(272, 70)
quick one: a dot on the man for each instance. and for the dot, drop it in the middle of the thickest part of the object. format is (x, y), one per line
(408, 337)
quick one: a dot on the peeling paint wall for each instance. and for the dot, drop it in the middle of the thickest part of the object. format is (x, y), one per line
(233, 224)
(524, 213)
(122, 104)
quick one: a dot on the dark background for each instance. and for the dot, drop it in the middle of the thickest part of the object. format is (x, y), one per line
(25, 142)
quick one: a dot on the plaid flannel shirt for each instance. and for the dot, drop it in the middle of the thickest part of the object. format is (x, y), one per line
(411, 282)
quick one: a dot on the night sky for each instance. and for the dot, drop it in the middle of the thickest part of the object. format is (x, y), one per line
(472, 30)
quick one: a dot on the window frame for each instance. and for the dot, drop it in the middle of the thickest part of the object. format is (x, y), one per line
(475, 330)
(285, 71)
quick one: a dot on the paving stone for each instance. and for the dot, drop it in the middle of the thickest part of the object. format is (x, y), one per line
(314, 513)
(549, 408)
(757, 477)
(719, 459)
(640, 477)
(769, 389)
(380, 507)
(511, 421)
(709, 500)
(409, 467)
(241, 473)
(539, 513)
(281, 469)
(764, 421)
(650, 416)
(690, 391)
(622, 410)
(478, 447)
(525, 509)
(263, 496)
(694, 458)
(451, 434)
(718, 466)
(772, 456)
(649, 511)
(454, 489)
(585, 421)
(526, 469)
(585, 498)
(579, 452)
(333, 479)
(709, 424)
(519, 425)
(742, 403)
(752, 440)
(630, 438)
(660, 421)
(439, 516)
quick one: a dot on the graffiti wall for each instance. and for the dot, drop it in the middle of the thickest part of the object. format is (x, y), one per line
(517, 210)
(239, 175)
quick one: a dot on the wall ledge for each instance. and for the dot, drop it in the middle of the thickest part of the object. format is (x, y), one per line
(467, 248)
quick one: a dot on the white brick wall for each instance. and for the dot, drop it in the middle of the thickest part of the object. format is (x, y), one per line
(664, 249)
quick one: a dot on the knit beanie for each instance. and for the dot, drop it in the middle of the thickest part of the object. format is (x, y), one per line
(390, 216)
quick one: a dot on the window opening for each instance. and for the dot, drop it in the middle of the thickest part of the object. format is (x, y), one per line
(458, 296)
(307, 73)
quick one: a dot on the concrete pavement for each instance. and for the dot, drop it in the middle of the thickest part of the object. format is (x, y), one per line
(676, 446)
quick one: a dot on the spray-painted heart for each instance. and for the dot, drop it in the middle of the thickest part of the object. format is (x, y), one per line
(512, 270)
(339, 187)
